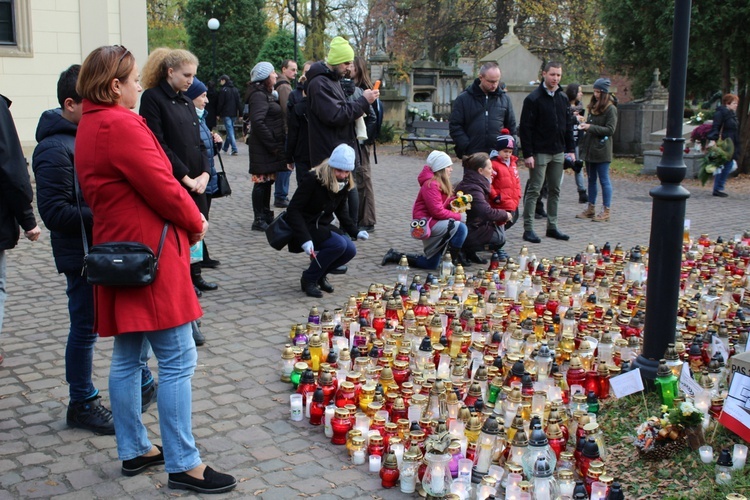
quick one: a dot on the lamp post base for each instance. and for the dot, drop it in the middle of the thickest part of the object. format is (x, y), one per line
(648, 369)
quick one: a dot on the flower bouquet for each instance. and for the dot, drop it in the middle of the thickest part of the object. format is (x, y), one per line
(699, 135)
(716, 157)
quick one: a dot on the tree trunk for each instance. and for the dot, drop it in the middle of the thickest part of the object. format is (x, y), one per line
(502, 16)
(725, 72)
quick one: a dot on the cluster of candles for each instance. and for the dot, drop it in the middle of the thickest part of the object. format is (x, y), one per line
(726, 462)
(509, 365)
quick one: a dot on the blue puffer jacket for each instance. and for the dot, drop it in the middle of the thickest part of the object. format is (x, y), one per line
(208, 140)
(55, 190)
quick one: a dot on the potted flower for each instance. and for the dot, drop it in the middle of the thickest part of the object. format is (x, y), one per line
(690, 419)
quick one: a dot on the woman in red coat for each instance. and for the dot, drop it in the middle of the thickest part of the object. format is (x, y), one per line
(127, 180)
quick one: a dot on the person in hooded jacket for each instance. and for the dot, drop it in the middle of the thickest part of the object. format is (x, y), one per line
(228, 108)
(265, 140)
(321, 195)
(480, 113)
(485, 224)
(447, 228)
(58, 204)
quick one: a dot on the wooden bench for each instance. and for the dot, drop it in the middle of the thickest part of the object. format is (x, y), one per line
(427, 131)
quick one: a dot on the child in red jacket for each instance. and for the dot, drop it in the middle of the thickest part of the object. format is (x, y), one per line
(505, 191)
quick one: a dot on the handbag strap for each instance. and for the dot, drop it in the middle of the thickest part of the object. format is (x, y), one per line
(83, 227)
(221, 162)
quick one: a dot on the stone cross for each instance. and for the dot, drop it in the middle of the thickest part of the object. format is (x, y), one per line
(511, 25)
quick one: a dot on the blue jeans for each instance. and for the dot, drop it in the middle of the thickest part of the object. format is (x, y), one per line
(79, 351)
(334, 252)
(720, 180)
(177, 356)
(600, 170)
(457, 241)
(282, 185)
(229, 125)
(3, 294)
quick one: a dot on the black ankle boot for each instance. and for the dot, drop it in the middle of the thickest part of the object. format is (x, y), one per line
(259, 225)
(91, 415)
(459, 257)
(582, 196)
(310, 288)
(391, 257)
(268, 216)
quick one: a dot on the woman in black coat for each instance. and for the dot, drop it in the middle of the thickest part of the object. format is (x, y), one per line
(265, 140)
(171, 116)
(484, 222)
(726, 126)
(321, 194)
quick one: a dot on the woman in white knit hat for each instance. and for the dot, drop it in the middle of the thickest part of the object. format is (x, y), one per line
(321, 195)
(446, 227)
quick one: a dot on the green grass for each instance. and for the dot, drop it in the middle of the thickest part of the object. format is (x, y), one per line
(683, 476)
(625, 166)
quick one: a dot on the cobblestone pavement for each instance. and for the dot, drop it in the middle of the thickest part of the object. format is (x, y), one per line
(240, 407)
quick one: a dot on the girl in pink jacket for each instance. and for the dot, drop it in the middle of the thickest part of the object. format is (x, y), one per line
(447, 229)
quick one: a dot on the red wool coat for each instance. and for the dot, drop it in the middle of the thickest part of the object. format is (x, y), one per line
(127, 181)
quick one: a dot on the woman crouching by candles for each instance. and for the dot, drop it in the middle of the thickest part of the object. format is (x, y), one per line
(127, 180)
(485, 223)
(321, 194)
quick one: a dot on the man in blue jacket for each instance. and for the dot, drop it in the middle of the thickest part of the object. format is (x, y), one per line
(58, 205)
(15, 195)
(546, 134)
(480, 113)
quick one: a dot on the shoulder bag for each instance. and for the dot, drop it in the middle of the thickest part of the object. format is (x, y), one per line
(119, 263)
(222, 183)
(278, 232)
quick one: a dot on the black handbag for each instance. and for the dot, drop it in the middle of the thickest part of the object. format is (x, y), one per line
(120, 263)
(222, 183)
(278, 232)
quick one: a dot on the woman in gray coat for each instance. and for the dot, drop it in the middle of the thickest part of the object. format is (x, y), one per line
(596, 148)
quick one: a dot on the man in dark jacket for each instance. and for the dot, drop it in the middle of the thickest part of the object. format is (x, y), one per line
(330, 115)
(228, 108)
(59, 209)
(283, 88)
(15, 195)
(546, 134)
(480, 113)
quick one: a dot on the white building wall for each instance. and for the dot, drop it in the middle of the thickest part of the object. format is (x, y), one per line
(63, 32)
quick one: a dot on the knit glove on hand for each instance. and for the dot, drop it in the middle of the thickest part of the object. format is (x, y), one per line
(363, 235)
(308, 247)
(463, 217)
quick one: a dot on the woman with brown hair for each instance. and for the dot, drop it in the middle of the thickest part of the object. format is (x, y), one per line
(265, 140)
(128, 182)
(596, 148)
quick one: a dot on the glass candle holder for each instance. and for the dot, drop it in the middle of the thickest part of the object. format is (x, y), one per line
(707, 454)
(464, 469)
(739, 456)
(598, 491)
(295, 406)
(375, 461)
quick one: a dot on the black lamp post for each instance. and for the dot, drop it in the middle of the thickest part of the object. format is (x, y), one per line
(213, 25)
(668, 213)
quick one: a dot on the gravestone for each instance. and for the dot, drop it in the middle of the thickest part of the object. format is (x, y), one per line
(517, 64)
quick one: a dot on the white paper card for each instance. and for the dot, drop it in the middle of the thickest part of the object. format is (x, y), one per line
(627, 383)
(688, 385)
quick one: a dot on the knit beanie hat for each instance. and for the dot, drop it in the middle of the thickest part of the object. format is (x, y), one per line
(340, 52)
(504, 140)
(342, 158)
(196, 89)
(261, 71)
(438, 160)
(602, 84)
